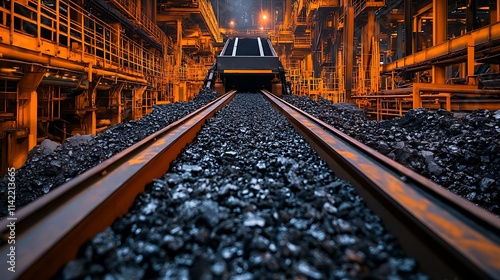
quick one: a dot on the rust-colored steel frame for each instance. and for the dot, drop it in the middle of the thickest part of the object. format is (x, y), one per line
(50, 230)
(456, 48)
(449, 236)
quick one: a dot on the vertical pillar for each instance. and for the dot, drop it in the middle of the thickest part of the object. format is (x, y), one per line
(90, 122)
(399, 50)
(115, 101)
(309, 62)
(408, 40)
(493, 11)
(27, 114)
(287, 14)
(498, 10)
(470, 57)
(179, 43)
(367, 46)
(366, 40)
(471, 11)
(90, 119)
(494, 18)
(439, 28)
(417, 100)
(348, 51)
(115, 40)
(137, 102)
(178, 91)
(408, 28)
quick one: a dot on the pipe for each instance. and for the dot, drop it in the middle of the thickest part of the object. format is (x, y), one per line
(34, 57)
(419, 87)
(481, 36)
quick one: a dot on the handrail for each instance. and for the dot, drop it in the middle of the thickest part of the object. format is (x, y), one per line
(95, 42)
(129, 7)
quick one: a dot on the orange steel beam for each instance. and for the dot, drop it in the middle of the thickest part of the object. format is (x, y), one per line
(248, 71)
(24, 55)
(482, 36)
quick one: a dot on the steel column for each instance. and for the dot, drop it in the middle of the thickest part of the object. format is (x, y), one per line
(179, 43)
(348, 51)
(470, 56)
(27, 110)
(408, 29)
(439, 28)
(137, 102)
(115, 100)
(399, 51)
(366, 40)
(498, 10)
(288, 13)
(471, 15)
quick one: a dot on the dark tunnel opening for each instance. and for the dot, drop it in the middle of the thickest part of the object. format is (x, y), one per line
(248, 83)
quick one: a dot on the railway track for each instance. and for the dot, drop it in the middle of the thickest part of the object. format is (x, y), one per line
(450, 237)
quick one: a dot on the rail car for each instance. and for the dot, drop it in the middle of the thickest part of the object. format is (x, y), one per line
(247, 64)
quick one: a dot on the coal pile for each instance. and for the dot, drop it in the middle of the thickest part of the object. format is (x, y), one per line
(248, 199)
(50, 165)
(461, 154)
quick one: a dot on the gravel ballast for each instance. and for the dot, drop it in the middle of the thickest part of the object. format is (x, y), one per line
(461, 153)
(50, 165)
(248, 199)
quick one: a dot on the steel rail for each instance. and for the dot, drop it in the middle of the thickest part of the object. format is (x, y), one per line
(50, 230)
(450, 237)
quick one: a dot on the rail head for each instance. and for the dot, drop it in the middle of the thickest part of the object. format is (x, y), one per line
(448, 235)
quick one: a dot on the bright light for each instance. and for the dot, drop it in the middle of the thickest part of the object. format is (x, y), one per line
(264, 17)
(231, 23)
(262, 28)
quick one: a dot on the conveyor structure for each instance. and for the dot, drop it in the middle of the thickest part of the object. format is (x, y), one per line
(247, 64)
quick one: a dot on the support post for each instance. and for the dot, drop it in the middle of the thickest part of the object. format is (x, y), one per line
(28, 102)
(115, 101)
(89, 118)
(137, 102)
(348, 51)
(417, 100)
(90, 122)
(439, 28)
(470, 59)
(408, 29)
(179, 44)
(471, 11)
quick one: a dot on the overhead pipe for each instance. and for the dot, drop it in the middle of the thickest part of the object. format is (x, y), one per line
(445, 91)
(481, 36)
(33, 57)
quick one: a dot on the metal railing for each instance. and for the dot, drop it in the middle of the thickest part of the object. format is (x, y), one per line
(302, 42)
(130, 8)
(360, 5)
(67, 31)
